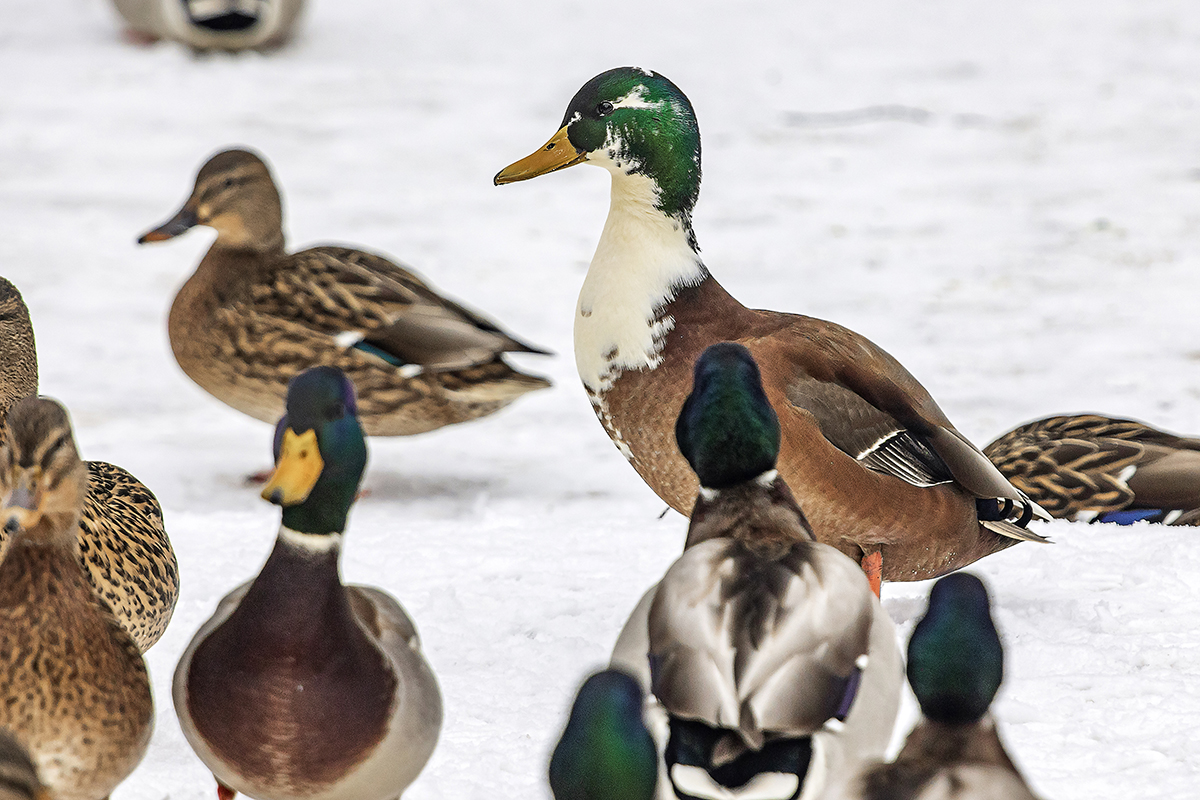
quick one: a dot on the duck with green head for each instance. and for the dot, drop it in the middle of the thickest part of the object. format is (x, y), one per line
(605, 752)
(771, 661)
(300, 686)
(955, 667)
(880, 471)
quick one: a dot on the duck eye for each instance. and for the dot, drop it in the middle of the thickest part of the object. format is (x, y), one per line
(604, 109)
(227, 182)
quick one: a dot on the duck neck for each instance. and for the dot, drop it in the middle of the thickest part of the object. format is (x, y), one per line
(645, 257)
(298, 597)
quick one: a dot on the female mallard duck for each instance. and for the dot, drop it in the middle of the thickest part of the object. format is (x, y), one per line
(1091, 468)
(773, 661)
(75, 688)
(605, 752)
(18, 776)
(252, 316)
(874, 462)
(213, 24)
(124, 547)
(299, 686)
(955, 666)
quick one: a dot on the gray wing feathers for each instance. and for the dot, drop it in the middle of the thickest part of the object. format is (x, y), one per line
(756, 645)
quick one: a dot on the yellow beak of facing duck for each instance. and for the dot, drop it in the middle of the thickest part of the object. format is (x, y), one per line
(22, 507)
(556, 154)
(299, 467)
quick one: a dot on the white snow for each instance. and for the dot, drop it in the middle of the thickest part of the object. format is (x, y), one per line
(1016, 218)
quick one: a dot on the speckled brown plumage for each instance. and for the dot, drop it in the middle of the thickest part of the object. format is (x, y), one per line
(1083, 465)
(127, 553)
(125, 547)
(252, 316)
(75, 689)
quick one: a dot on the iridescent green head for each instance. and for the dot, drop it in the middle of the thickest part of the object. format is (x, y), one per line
(633, 122)
(727, 429)
(955, 659)
(320, 453)
(605, 753)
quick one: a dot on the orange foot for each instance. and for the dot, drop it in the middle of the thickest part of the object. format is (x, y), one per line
(872, 564)
(224, 792)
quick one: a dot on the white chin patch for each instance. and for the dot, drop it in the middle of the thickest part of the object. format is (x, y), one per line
(695, 781)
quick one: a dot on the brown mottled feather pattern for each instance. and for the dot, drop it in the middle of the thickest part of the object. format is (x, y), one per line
(961, 758)
(922, 531)
(245, 351)
(75, 687)
(1078, 466)
(127, 553)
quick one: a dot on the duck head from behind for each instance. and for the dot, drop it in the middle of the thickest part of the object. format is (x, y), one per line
(605, 752)
(955, 659)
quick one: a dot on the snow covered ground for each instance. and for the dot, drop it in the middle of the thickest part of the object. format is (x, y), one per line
(1015, 216)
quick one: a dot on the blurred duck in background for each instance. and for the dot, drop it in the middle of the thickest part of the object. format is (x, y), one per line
(213, 24)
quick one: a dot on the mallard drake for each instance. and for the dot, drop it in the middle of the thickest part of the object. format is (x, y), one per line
(75, 688)
(213, 24)
(299, 686)
(18, 776)
(767, 651)
(955, 666)
(125, 549)
(1093, 468)
(875, 464)
(605, 752)
(252, 316)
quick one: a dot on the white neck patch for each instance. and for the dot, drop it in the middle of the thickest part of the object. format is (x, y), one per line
(642, 257)
(310, 542)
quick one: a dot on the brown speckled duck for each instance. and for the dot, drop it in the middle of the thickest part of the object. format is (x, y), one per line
(124, 547)
(1095, 468)
(253, 316)
(877, 467)
(299, 687)
(74, 687)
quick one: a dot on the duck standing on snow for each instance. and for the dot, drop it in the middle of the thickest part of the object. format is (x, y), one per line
(1093, 468)
(124, 548)
(605, 752)
(75, 688)
(300, 686)
(955, 666)
(877, 467)
(772, 660)
(252, 316)
(213, 24)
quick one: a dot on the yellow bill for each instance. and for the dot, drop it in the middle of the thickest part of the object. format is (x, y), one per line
(556, 154)
(299, 467)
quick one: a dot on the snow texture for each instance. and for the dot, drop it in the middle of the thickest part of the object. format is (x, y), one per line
(1006, 196)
